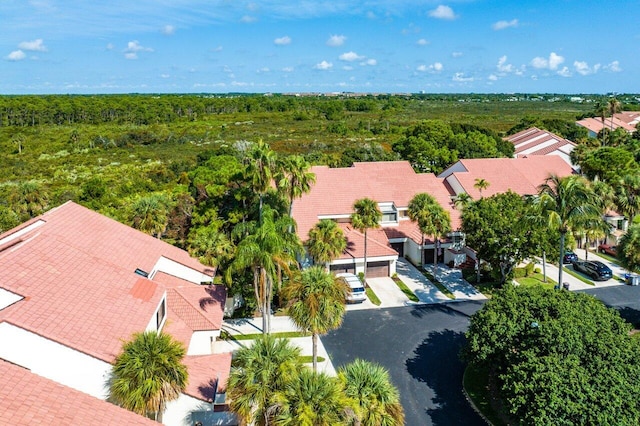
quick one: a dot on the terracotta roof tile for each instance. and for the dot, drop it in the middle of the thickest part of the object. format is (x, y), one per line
(206, 374)
(29, 399)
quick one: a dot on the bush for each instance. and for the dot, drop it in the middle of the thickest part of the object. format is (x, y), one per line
(529, 269)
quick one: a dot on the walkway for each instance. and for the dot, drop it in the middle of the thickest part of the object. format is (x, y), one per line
(452, 279)
(278, 324)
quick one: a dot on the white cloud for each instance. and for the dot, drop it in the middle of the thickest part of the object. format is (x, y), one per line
(501, 25)
(282, 41)
(130, 55)
(564, 72)
(493, 77)
(168, 30)
(324, 65)
(110, 46)
(459, 77)
(263, 69)
(423, 42)
(613, 66)
(552, 63)
(503, 66)
(336, 40)
(135, 46)
(350, 57)
(347, 68)
(443, 12)
(34, 45)
(16, 55)
(246, 19)
(583, 68)
(164, 76)
(217, 49)
(456, 54)
(287, 69)
(435, 67)
(370, 62)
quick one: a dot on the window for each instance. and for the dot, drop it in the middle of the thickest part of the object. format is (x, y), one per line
(161, 314)
(389, 217)
(389, 212)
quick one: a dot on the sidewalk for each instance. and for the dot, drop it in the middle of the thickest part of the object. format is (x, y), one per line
(278, 324)
(418, 283)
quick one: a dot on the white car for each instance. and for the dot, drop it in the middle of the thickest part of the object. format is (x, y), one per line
(356, 293)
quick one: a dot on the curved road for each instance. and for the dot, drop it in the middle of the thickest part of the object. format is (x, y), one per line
(419, 346)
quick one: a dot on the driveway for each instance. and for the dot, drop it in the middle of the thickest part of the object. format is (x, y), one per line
(418, 283)
(419, 345)
(624, 298)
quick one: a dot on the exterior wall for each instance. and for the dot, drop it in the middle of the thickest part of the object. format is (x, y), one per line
(178, 270)
(153, 323)
(202, 341)
(178, 412)
(54, 361)
(413, 252)
(453, 256)
(457, 167)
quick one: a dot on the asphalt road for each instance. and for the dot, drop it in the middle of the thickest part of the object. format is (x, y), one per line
(419, 346)
(624, 298)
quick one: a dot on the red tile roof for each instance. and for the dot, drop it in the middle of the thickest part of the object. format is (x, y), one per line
(595, 124)
(336, 190)
(29, 399)
(76, 272)
(534, 141)
(377, 243)
(520, 175)
(207, 373)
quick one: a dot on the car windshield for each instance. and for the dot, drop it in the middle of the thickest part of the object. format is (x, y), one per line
(357, 290)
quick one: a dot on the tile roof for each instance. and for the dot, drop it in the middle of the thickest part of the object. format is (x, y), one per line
(76, 274)
(534, 141)
(336, 190)
(29, 399)
(520, 175)
(595, 124)
(377, 243)
(207, 373)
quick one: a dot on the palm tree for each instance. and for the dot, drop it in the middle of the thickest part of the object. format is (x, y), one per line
(598, 230)
(628, 196)
(377, 399)
(462, 200)
(326, 242)
(613, 105)
(481, 184)
(211, 246)
(29, 199)
(314, 399)
(432, 220)
(316, 303)
(366, 216)
(258, 373)
(601, 110)
(261, 165)
(267, 250)
(148, 373)
(566, 203)
(294, 178)
(150, 214)
(629, 249)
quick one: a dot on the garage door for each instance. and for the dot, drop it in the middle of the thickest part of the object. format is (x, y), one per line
(349, 267)
(377, 269)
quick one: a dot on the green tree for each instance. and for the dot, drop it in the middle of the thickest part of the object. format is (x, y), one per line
(29, 199)
(498, 229)
(8, 219)
(316, 303)
(628, 249)
(566, 203)
(613, 105)
(559, 358)
(261, 167)
(294, 178)
(432, 219)
(627, 197)
(481, 184)
(211, 246)
(601, 110)
(150, 214)
(608, 163)
(326, 241)
(258, 373)
(314, 399)
(366, 216)
(267, 250)
(148, 373)
(377, 400)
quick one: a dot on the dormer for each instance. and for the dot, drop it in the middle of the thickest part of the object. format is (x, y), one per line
(389, 213)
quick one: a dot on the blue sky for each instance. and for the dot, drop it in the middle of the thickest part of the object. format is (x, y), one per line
(221, 46)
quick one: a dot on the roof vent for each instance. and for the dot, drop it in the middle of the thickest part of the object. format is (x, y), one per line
(141, 272)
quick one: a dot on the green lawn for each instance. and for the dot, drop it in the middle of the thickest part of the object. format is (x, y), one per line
(281, 335)
(402, 286)
(308, 359)
(476, 385)
(372, 296)
(537, 279)
(438, 284)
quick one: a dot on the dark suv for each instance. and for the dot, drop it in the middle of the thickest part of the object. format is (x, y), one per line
(569, 257)
(598, 271)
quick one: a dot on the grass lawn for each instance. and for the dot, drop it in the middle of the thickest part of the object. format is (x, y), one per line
(402, 286)
(308, 359)
(537, 279)
(610, 258)
(281, 335)
(372, 296)
(476, 385)
(438, 284)
(577, 275)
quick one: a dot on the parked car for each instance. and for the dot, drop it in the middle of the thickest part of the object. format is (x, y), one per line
(596, 270)
(569, 257)
(607, 249)
(356, 292)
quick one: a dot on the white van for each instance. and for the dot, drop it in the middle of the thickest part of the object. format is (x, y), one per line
(356, 293)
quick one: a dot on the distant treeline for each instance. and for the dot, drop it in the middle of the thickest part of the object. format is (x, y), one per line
(33, 110)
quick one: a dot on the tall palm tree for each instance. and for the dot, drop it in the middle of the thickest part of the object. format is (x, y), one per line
(326, 242)
(150, 214)
(481, 184)
(294, 178)
(628, 196)
(613, 105)
(148, 373)
(601, 110)
(629, 249)
(366, 216)
(566, 203)
(432, 220)
(261, 166)
(211, 246)
(268, 249)
(377, 399)
(462, 200)
(316, 303)
(258, 373)
(29, 199)
(314, 399)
